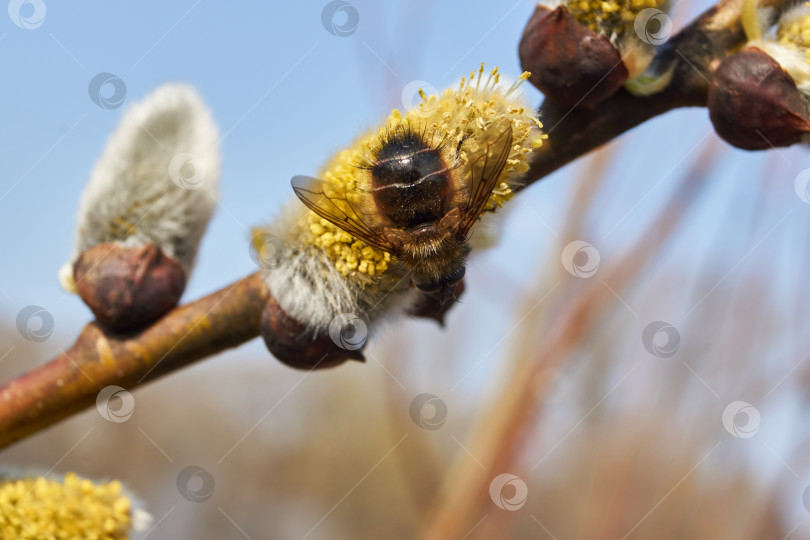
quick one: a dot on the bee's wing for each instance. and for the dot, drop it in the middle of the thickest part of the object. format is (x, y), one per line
(485, 168)
(319, 197)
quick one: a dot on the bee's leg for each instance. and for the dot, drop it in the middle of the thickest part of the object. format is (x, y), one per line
(435, 305)
(458, 148)
(293, 343)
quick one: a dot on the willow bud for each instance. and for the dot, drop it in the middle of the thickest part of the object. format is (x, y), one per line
(754, 103)
(569, 63)
(301, 347)
(145, 209)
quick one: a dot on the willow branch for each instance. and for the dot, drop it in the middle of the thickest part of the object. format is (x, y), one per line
(691, 56)
(72, 381)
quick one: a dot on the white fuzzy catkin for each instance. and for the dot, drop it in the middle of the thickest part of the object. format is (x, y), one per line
(156, 181)
(309, 288)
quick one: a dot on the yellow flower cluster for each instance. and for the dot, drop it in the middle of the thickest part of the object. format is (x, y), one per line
(612, 18)
(74, 508)
(794, 32)
(348, 253)
(456, 114)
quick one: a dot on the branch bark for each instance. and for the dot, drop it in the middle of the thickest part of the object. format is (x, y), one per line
(230, 317)
(71, 382)
(691, 56)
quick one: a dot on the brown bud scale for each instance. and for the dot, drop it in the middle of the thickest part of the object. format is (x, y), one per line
(754, 103)
(128, 287)
(292, 343)
(568, 62)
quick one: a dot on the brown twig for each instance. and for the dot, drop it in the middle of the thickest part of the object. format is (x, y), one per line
(230, 317)
(71, 381)
(691, 56)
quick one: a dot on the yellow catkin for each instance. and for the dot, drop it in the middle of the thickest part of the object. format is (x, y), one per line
(464, 111)
(794, 32)
(612, 18)
(72, 508)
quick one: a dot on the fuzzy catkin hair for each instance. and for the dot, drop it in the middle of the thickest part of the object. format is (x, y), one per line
(156, 181)
(306, 283)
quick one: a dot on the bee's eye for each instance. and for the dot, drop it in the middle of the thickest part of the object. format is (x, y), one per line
(429, 287)
(457, 276)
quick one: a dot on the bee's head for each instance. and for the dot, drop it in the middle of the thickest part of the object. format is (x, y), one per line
(445, 288)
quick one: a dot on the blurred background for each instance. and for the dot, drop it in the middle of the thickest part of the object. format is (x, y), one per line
(630, 361)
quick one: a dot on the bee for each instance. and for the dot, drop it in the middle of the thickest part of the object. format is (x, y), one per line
(387, 226)
(416, 206)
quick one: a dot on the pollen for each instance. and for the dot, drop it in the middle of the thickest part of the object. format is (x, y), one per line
(453, 120)
(72, 508)
(794, 31)
(612, 18)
